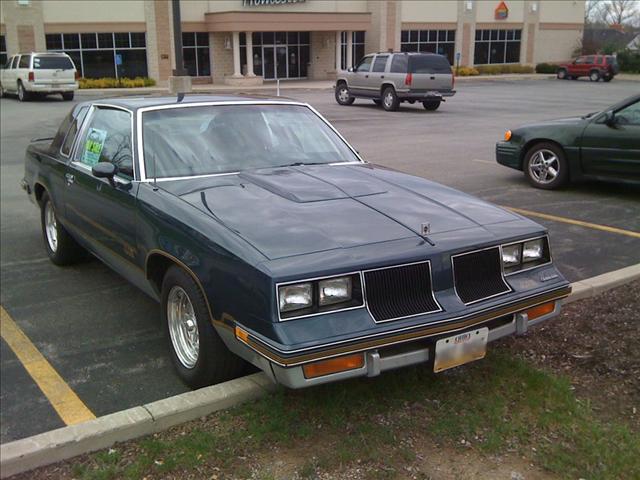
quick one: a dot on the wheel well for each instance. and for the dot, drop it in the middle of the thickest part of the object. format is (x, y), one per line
(531, 143)
(38, 190)
(384, 86)
(157, 266)
(340, 82)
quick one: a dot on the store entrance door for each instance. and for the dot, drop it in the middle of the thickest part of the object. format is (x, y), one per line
(275, 61)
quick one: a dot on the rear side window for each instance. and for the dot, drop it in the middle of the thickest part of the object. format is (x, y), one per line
(399, 64)
(24, 61)
(73, 131)
(380, 63)
(590, 60)
(50, 62)
(428, 64)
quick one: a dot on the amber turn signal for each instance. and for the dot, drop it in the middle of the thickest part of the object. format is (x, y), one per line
(333, 365)
(242, 335)
(507, 135)
(540, 310)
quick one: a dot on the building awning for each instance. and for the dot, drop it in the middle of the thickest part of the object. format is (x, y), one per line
(286, 21)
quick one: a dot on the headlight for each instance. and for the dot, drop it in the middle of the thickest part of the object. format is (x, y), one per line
(295, 297)
(335, 290)
(533, 250)
(511, 255)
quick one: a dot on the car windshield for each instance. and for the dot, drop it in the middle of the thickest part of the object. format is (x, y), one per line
(204, 140)
(51, 62)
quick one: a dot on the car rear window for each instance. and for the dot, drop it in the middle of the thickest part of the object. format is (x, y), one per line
(428, 64)
(51, 62)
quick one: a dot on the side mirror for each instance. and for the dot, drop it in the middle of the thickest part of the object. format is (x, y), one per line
(350, 69)
(105, 170)
(609, 118)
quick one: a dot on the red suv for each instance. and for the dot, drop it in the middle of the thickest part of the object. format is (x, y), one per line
(595, 67)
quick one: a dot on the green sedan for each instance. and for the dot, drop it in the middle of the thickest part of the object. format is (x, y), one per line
(601, 145)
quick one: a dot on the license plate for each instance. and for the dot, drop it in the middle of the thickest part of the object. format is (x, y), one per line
(461, 348)
(433, 94)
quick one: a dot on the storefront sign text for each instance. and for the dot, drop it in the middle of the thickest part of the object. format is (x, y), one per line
(259, 3)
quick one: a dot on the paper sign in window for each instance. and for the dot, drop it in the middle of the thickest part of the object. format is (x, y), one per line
(93, 146)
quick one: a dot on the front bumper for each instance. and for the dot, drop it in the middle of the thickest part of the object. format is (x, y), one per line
(508, 154)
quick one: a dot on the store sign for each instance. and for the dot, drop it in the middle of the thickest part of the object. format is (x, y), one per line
(259, 3)
(502, 11)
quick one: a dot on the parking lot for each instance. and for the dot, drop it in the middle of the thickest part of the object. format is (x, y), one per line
(103, 336)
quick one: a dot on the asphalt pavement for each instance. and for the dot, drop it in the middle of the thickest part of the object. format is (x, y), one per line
(104, 337)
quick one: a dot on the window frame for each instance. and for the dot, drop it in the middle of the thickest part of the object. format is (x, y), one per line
(355, 70)
(430, 37)
(196, 47)
(81, 133)
(503, 36)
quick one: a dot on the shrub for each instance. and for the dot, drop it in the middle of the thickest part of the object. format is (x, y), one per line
(546, 68)
(629, 61)
(499, 69)
(466, 72)
(108, 82)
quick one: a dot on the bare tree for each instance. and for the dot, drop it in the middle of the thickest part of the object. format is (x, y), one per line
(621, 11)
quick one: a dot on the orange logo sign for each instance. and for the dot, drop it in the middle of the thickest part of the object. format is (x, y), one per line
(502, 11)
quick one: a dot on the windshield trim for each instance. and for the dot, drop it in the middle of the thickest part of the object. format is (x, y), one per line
(140, 139)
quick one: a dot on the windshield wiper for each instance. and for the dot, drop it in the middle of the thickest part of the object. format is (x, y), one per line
(300, 164)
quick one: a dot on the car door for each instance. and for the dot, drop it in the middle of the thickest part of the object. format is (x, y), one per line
(377, 75)
(612, 148)
(101, 211)
(360, 76)
(9, 75)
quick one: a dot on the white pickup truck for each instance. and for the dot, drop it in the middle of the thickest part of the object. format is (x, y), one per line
(31, 74)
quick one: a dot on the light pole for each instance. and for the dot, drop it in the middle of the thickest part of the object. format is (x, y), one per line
(179, 82)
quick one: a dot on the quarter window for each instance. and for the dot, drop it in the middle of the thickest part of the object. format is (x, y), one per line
(108, 139)
(400, 64)
(73, 131)
(380, 63)
(497, 46)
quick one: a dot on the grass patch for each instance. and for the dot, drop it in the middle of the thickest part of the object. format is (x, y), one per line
(499, 404)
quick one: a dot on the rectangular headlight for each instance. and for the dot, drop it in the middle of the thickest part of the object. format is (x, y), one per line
(335, 290)
(533, 250)
(295, 297)
(511, 255)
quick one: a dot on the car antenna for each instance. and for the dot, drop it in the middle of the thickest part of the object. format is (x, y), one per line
(155, 174)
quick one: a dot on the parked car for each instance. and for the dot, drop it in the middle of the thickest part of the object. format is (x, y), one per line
(392, 78)
(595, 67)
(267, 239)
(30, 74)
(600, 145)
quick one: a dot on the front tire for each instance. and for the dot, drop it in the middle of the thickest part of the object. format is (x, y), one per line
(197, 352)
(594, 75)
(545, 166)
(343, 96)
(390, 100)
(561, 74)
(431, 105)
(68, 96)
(23, 95)
(61, 248)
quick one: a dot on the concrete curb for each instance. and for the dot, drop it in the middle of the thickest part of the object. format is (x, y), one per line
(67, 442)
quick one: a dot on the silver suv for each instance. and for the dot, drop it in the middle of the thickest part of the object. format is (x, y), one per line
(391, 78)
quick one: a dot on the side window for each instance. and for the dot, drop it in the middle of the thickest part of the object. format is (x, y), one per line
(73, 131)
(629, 115)
(364, 65)
(580, 60)
(8, 64)
(400, 64)
(380, 63)
(24, 61)
(15, 61)
(107, 138)
(590, 60)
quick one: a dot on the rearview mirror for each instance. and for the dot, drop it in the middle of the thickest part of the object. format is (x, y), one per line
(104, 170)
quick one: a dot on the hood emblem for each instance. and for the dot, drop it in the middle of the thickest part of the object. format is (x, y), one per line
(425, 229)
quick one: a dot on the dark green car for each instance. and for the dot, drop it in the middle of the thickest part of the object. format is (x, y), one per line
(600, 145)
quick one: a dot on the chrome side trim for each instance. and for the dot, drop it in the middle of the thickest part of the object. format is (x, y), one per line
(428, 262)
(535, 266)
(278, 285)
(453, 272)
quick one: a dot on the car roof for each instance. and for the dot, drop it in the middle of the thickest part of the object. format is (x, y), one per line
(135, 103)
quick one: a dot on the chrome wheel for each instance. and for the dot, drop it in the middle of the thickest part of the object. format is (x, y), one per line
(51, 227)
(562, 74)
(183, 327)
(343, 94)
(594, 77)
(544, 166)
(389, 98)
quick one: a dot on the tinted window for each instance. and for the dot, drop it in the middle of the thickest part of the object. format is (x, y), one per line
(428, 64)
(50, 62)
(380, 63)
(589, 60)
(73, 131)
(108, 139)
(218, 139)
(15, 62)
(364, 65)
(399, 64)
(629, 115)
(24, 61)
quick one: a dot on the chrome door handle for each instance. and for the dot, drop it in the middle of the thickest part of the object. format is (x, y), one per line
(69, 178)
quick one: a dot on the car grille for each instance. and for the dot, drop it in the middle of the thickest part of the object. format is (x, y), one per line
(478, 275)
(399, 292)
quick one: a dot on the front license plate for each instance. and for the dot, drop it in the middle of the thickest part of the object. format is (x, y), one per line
(461, 348)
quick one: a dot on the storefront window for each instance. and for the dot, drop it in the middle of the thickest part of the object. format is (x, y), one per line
(3, 50)
(195, 52)
(97, 54)
(497, 46)
(277, 54)
(429, 41)
(357, 49)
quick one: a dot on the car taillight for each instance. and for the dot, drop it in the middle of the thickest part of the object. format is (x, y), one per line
(32, 77)
(77, 75)
(408, 79)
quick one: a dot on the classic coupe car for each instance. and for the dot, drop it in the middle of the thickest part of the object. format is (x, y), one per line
(600, 146)
(267, 239)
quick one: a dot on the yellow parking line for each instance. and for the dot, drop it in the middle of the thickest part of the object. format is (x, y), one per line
(580, 223)
(64, 400)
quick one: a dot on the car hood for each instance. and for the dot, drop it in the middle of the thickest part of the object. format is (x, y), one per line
(298, 210)
(562, 122)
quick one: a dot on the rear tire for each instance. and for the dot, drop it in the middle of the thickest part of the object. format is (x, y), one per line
(198, 353)
(390, 100)
(607, 78)
(545, 166)
(68, 96)
(342, 94)
(431, 105)
(23, 95)
(61, 248)
(562, 74)
(594, 75)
